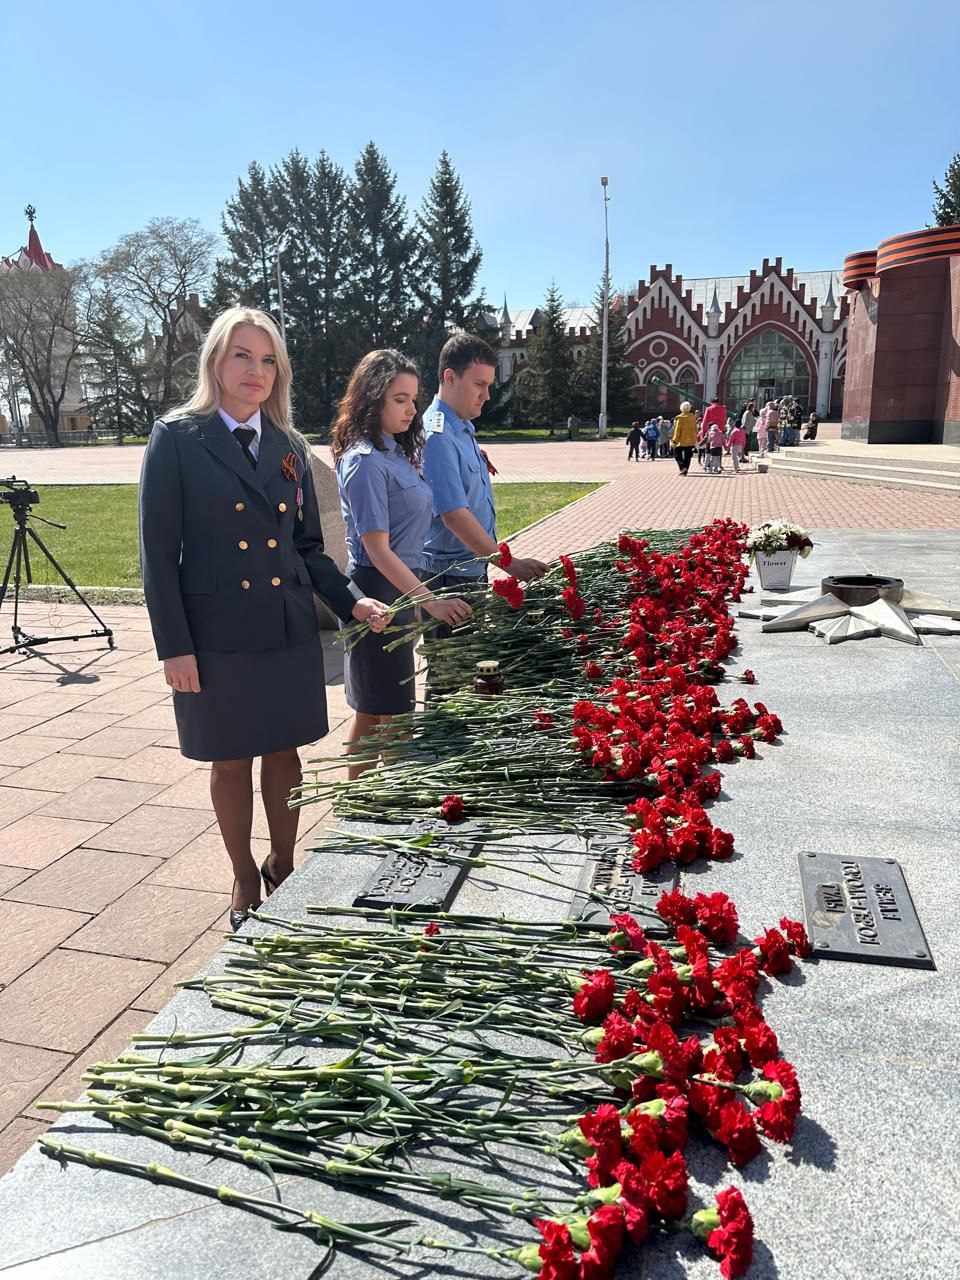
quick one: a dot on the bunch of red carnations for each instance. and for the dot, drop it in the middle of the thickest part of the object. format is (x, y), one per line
(669, 1082)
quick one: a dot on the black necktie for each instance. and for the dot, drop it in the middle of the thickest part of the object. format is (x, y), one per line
(246, 435)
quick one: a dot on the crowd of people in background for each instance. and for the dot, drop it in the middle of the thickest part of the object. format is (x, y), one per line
(714, 433)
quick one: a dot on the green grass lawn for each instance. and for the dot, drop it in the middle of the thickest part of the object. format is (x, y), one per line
(520, 504)
(99, 545)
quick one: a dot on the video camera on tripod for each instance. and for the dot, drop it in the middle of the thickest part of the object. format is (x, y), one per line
(19, 497)
(19, 493)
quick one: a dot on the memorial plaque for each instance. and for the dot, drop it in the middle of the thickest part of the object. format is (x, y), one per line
(861, 909)
(411, 880)
(609, 870)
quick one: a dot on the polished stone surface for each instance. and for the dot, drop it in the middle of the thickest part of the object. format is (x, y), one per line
(869, 764)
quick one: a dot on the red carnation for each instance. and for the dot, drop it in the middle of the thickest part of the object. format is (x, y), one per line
(747, 677)
(574, 604)
(676, 908)
(556, 1251)
(766, 727)
(796, 936)
(759, 1040)
(506, 555)
(666, 1179)
(626, 935)
(721, 843)
(601, 1128)
(708, 786)
(651, 851)
(511, 591)
(737, 977)
(605, 1226)
(725, 1059)
(734, 1126)
(669, 996)
(732, 1241)
(717, 917)
(617, 1039)
(723, 751)
(634, 1201)
(593, 670)
(674, 1118)
(569, 571)
(774, 952)
(432, 929)
(595, 996)
(644, 1134)
(778, 1118)
(451, 808)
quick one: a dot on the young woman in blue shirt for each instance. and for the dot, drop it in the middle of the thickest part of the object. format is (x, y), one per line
(387, 506)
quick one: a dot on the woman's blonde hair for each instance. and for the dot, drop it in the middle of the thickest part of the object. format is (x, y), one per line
(278, 406)
(685, 407)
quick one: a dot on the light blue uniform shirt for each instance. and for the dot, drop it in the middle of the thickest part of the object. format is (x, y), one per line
(383, 491)
(459, 478)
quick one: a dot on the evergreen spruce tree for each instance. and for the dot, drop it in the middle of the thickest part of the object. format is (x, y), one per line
(447, 261)
(311, 203)
(544, 397)
(381, 256)
(946, 205)
(245, 276)
(621, 400)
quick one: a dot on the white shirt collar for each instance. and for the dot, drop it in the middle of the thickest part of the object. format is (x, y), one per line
(253, 421)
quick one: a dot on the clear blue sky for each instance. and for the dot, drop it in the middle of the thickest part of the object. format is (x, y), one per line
(729, 132)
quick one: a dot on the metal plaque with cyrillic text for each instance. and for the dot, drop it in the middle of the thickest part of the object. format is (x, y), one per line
(408, 880)
(609, 872)
(860, 909)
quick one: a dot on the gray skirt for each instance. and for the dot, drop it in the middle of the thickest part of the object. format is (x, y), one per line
(375, 682)
(252, 704)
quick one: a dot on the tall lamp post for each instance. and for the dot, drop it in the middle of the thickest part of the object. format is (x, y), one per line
(283, 319)
(602, 425)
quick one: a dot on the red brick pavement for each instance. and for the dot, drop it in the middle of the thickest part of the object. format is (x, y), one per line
(114, 883)
(653, 495)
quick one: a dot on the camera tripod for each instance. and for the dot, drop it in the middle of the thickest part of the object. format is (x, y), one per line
(18, 565)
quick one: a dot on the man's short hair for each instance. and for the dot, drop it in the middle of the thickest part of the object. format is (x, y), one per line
(463, 350)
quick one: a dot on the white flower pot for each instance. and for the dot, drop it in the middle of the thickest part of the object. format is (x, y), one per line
(776, 569)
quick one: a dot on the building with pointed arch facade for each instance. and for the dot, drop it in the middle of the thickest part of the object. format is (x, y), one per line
(772, 333)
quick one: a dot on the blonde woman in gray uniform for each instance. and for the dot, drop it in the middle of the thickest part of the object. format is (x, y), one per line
(232, 551)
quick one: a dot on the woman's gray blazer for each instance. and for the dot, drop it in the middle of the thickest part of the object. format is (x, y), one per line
(228, 564)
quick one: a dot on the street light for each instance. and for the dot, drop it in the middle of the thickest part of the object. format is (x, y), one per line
(602, 425)
(283, 320)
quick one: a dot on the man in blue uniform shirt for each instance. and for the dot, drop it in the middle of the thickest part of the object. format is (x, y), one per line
(463, 531)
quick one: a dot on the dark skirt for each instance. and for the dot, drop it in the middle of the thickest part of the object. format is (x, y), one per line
(251, 704)
(376, 682)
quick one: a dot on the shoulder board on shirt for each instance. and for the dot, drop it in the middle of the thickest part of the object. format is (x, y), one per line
(364, 447)
(436, 424)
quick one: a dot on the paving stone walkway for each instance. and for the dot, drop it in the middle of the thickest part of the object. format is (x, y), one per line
(113, 881)
(654, 495)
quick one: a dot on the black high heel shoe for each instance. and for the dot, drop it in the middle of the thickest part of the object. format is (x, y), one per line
(269, 884)
(239, 916)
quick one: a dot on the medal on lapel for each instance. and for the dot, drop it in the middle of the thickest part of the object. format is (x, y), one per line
(299, 504)
(289, 466)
